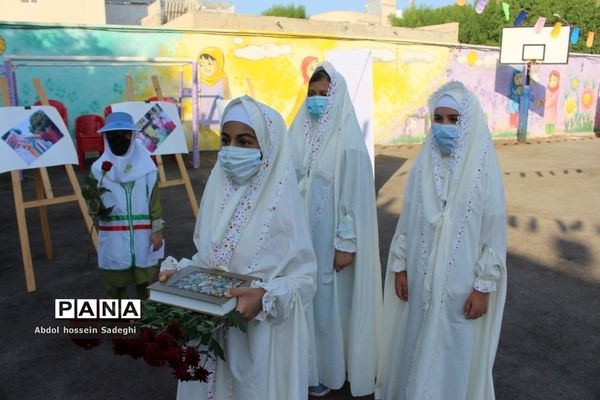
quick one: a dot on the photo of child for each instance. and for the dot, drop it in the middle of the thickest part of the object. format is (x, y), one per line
(33, 136)
(155, 126)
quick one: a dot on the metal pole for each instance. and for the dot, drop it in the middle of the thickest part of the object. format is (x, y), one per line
(11, 80)
(195, 133)
(524, 105)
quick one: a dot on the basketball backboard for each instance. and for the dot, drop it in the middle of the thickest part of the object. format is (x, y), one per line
(521, 44)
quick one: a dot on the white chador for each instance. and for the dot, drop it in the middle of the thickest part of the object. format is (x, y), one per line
(451, 239)
(336, 180)
(259, 229)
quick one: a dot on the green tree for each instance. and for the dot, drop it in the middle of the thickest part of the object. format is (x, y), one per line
(289, 11)
(485, 28)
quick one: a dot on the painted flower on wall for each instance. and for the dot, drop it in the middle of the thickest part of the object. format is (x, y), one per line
(574, 83)
(587, 98)
(570, 105)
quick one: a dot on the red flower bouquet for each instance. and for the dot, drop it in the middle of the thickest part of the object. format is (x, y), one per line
(178, 338)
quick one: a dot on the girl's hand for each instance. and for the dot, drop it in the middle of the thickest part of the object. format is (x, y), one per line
(156, 240)
(249, 300)
(401, 285)
(166, 274)
(342, 260)
(476, 305)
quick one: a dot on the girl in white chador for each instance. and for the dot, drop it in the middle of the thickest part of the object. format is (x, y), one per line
(446, 280)
(336, 180)
(251, 222)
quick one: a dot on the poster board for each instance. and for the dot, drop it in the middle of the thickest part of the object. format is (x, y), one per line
(161, 130)
(34, 137)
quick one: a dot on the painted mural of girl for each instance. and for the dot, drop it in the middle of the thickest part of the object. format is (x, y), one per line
(307, 68)
(514, 98)
(213, 86)
(551, 102)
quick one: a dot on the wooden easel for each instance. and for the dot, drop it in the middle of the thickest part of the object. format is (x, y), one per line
(163, 181)
(45, 197)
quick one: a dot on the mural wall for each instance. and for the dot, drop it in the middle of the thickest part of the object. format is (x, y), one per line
(275, 68)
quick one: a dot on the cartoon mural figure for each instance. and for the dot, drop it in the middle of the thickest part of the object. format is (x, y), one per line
(514, 97)
(551, 102)
(213, 86)
(307, 68)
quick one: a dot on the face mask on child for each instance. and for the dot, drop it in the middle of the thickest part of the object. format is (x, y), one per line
(444, 135)
(119, 142)
(240, 163)
(316, 105)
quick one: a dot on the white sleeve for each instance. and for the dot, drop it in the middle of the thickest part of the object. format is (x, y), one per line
(493, 230)
(345, 239)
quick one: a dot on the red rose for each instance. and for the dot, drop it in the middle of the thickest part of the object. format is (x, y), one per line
(192, 357)
(200, 374)
(149, 335)
(182, 373)
(165, 341)
(152, 355)
(106, 166)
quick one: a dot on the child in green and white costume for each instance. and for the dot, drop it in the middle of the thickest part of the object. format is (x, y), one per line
(129, 239)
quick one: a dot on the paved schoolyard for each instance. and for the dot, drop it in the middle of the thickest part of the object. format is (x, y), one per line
(550, 343)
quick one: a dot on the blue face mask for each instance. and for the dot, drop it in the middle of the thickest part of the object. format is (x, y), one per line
(316, 105)
(444, 136)
(240, 163)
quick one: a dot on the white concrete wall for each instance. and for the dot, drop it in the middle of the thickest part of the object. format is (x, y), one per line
(54, 11)
(443, 34)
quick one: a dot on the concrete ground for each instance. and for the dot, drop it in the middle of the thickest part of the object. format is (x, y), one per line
(550, 343)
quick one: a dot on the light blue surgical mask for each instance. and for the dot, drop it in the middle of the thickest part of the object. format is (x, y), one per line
(316, 105)
(444, 136)
(240, 163)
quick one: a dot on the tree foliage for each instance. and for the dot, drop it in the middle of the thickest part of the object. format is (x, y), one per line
(485, 28)
(289, 11)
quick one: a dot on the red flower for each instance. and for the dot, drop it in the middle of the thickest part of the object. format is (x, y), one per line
(192, 357)
(165, 341)
(84, 341)
(152, 356)
(201, 374)
(173, 357)
(106, 166)
(182, 373)
(174, 329)
(149, 335)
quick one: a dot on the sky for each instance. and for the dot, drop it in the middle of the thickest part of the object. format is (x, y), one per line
(255, 7)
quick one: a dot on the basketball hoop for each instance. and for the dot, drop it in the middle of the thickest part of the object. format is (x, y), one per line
(523, 45)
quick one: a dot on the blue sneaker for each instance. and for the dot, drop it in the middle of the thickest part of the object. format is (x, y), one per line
(318, 391)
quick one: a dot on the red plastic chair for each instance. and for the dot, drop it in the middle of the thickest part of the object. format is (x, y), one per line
(87, 136)
(165, 99)
(60, 107)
